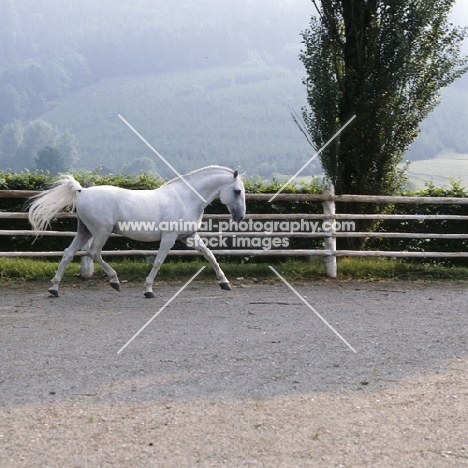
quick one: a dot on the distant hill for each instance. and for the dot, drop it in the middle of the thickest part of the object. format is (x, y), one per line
(441, 151)
(440, 170)
(445, 131)
(238, 117)
(206, 82)
(234, 116)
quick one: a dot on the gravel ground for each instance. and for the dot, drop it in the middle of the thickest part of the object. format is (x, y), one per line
(247, 378)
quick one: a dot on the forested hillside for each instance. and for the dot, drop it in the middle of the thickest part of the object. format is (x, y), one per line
(232, 116)
(204, 81)
(445, 130)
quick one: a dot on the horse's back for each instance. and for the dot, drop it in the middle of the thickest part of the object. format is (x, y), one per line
(104, 207)
(110, 204)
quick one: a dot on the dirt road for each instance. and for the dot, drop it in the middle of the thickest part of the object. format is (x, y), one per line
(248, 378)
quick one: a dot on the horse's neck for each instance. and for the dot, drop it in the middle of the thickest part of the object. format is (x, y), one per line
(208, 185)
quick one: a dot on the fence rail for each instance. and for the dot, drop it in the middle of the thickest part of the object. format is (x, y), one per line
(330, 252)
(305, 197)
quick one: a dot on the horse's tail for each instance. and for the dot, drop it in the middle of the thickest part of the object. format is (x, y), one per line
(61, 196)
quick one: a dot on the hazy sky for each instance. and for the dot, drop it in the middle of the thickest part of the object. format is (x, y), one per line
(461, 9)
(460, 16)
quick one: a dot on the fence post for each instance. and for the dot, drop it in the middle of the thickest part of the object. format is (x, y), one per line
(330, 241)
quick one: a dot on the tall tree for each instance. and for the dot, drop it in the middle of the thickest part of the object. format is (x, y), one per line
(11, 139)
(20, 144)
(384, 61)
(136, 167)
(49, 159)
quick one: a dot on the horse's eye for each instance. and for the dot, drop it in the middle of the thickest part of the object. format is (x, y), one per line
(237, 192)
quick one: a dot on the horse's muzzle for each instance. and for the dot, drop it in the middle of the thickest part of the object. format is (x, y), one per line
(237, 217)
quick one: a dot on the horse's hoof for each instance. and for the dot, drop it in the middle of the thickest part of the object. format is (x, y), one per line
(116, 286)
(149, 295)
(53, 292)
(226, 286)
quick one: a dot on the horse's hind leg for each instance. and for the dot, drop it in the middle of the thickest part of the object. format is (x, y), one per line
(82, 236)
(94, 252)
(197, 243)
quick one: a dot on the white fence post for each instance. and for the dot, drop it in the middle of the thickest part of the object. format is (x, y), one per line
(87, 265)
(330, 241)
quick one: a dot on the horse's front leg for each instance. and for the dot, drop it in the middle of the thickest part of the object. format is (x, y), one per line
(195, 241)
(166, 244)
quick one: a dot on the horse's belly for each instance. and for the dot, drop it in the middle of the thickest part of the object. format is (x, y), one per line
(139, 232)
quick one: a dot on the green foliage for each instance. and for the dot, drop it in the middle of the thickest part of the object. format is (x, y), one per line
(20, 144)
(140, 165)
(11, 103)
(8, 30)
(27, 86)
(235, 117)
(210, 91)
(377, 269)
(50, 160)
(384, 62)
(350, 269)
(29, 269)
(427, 226)
(159, 36)
(164, 69)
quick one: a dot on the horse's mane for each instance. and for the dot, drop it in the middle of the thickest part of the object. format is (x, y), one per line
(185, 176)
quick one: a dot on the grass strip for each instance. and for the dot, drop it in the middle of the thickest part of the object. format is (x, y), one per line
(349, 269)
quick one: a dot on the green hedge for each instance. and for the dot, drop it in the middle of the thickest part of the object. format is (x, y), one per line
(427, 226)
(39, 181)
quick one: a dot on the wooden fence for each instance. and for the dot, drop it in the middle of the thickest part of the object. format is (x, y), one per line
(330, 252)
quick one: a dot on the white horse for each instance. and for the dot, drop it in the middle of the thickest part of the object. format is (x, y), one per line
(174, 209)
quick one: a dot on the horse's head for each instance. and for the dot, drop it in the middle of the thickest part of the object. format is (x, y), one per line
(233, 196)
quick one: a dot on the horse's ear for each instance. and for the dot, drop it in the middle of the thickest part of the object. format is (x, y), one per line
(236, 173)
